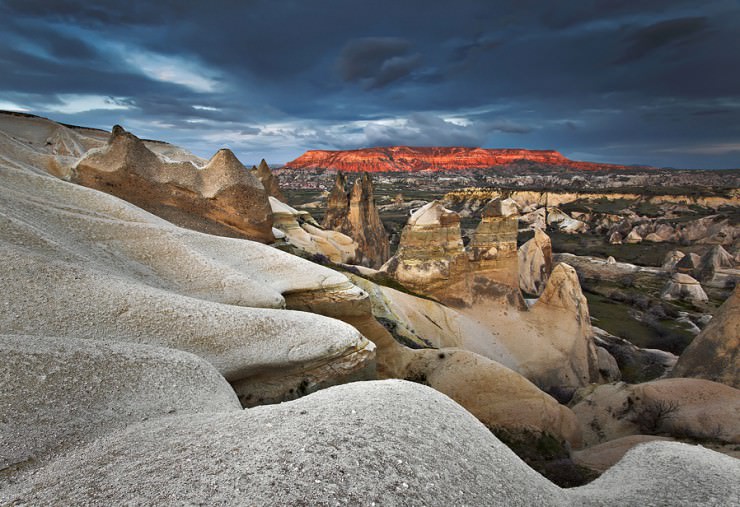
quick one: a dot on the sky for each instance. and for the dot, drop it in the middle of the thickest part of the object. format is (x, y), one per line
(653, 82)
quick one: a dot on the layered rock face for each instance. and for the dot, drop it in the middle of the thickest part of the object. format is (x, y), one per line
(432, 260)
(356, 215)
(406, 158)
(269, 181)
(221, 198)
(715, 353)
(535, 263)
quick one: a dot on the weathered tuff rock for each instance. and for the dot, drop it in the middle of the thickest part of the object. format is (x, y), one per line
(120, 274)
(269, 181)
(601, 457)
(432, 260)
(221, 198)
(715, 353)
(689, 263)
(407, 158)
(682, 286)
(681, 407)
(671, 259)
(535, 263)
(635, 364)
(356, 215)
(717, 268)
(365, 430)
(59, 392)
(302, 231)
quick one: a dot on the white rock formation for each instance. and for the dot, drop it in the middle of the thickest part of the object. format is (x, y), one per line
(682, 286)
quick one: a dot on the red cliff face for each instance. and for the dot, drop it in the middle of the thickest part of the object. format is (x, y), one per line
(407, 159)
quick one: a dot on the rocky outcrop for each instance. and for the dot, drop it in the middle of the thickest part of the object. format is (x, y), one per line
(715, 353)
(685, 287)
(432, 260)
(635, 364)
(365, 430)
(717, 268)
(356, 215)
(301, 231)
(535, 263)
(689, 263)
(221, 198)
(681, 407)
(105, 270)
(671, 259)
(269, 181)
(60, 392)
(407, 158)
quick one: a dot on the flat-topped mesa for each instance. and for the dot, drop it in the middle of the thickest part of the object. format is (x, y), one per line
(492, 247)
(221, 198)
(269, 181)
(408, 159)
(356, 215)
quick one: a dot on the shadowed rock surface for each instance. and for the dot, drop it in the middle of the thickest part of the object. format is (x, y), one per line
(535, 263)
(356, 215)
(715, 353)
(221, 198)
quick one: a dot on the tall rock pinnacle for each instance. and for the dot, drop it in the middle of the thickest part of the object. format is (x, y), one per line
(356, 215)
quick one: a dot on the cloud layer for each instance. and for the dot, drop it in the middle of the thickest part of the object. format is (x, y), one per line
(652, 82)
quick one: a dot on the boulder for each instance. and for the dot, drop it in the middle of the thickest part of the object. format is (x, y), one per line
(715, 353)
(601, 457)
(678, 407)
(611, 260)
(615, 238)
(120, 274)
(356, 215)
(633, 237)
(665, 473)
(671, 259)
(689, 263)
(635, 364)
(654, 238)
(683, 286)
(221, 198)
(61, 392)
(535, 263)
(713, 266)
(360, 443)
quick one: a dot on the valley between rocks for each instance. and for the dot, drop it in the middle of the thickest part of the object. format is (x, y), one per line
(174, 331)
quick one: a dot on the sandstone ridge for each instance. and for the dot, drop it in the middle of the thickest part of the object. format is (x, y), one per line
(409, 159)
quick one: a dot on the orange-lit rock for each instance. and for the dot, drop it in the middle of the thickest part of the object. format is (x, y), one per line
(407, 158)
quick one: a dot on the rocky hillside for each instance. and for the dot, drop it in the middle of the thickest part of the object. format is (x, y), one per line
(453, 158)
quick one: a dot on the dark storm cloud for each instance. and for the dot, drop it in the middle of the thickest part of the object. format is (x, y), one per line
(376, 61)
(657, 35)
(654, 81)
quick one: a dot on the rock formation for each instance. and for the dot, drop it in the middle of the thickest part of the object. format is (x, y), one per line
(693, 408)
(715, 353)
(301, 231)
(688, 264)
(356, 215)
(671, 259)
(106, 270)
(269, 181)
(432, 260)
(221, 198)
(717, 268)
(535, 263)
(682, 286)
(406, 158)
(635, 364)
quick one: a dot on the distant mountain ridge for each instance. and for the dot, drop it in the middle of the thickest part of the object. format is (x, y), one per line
(452, 158)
